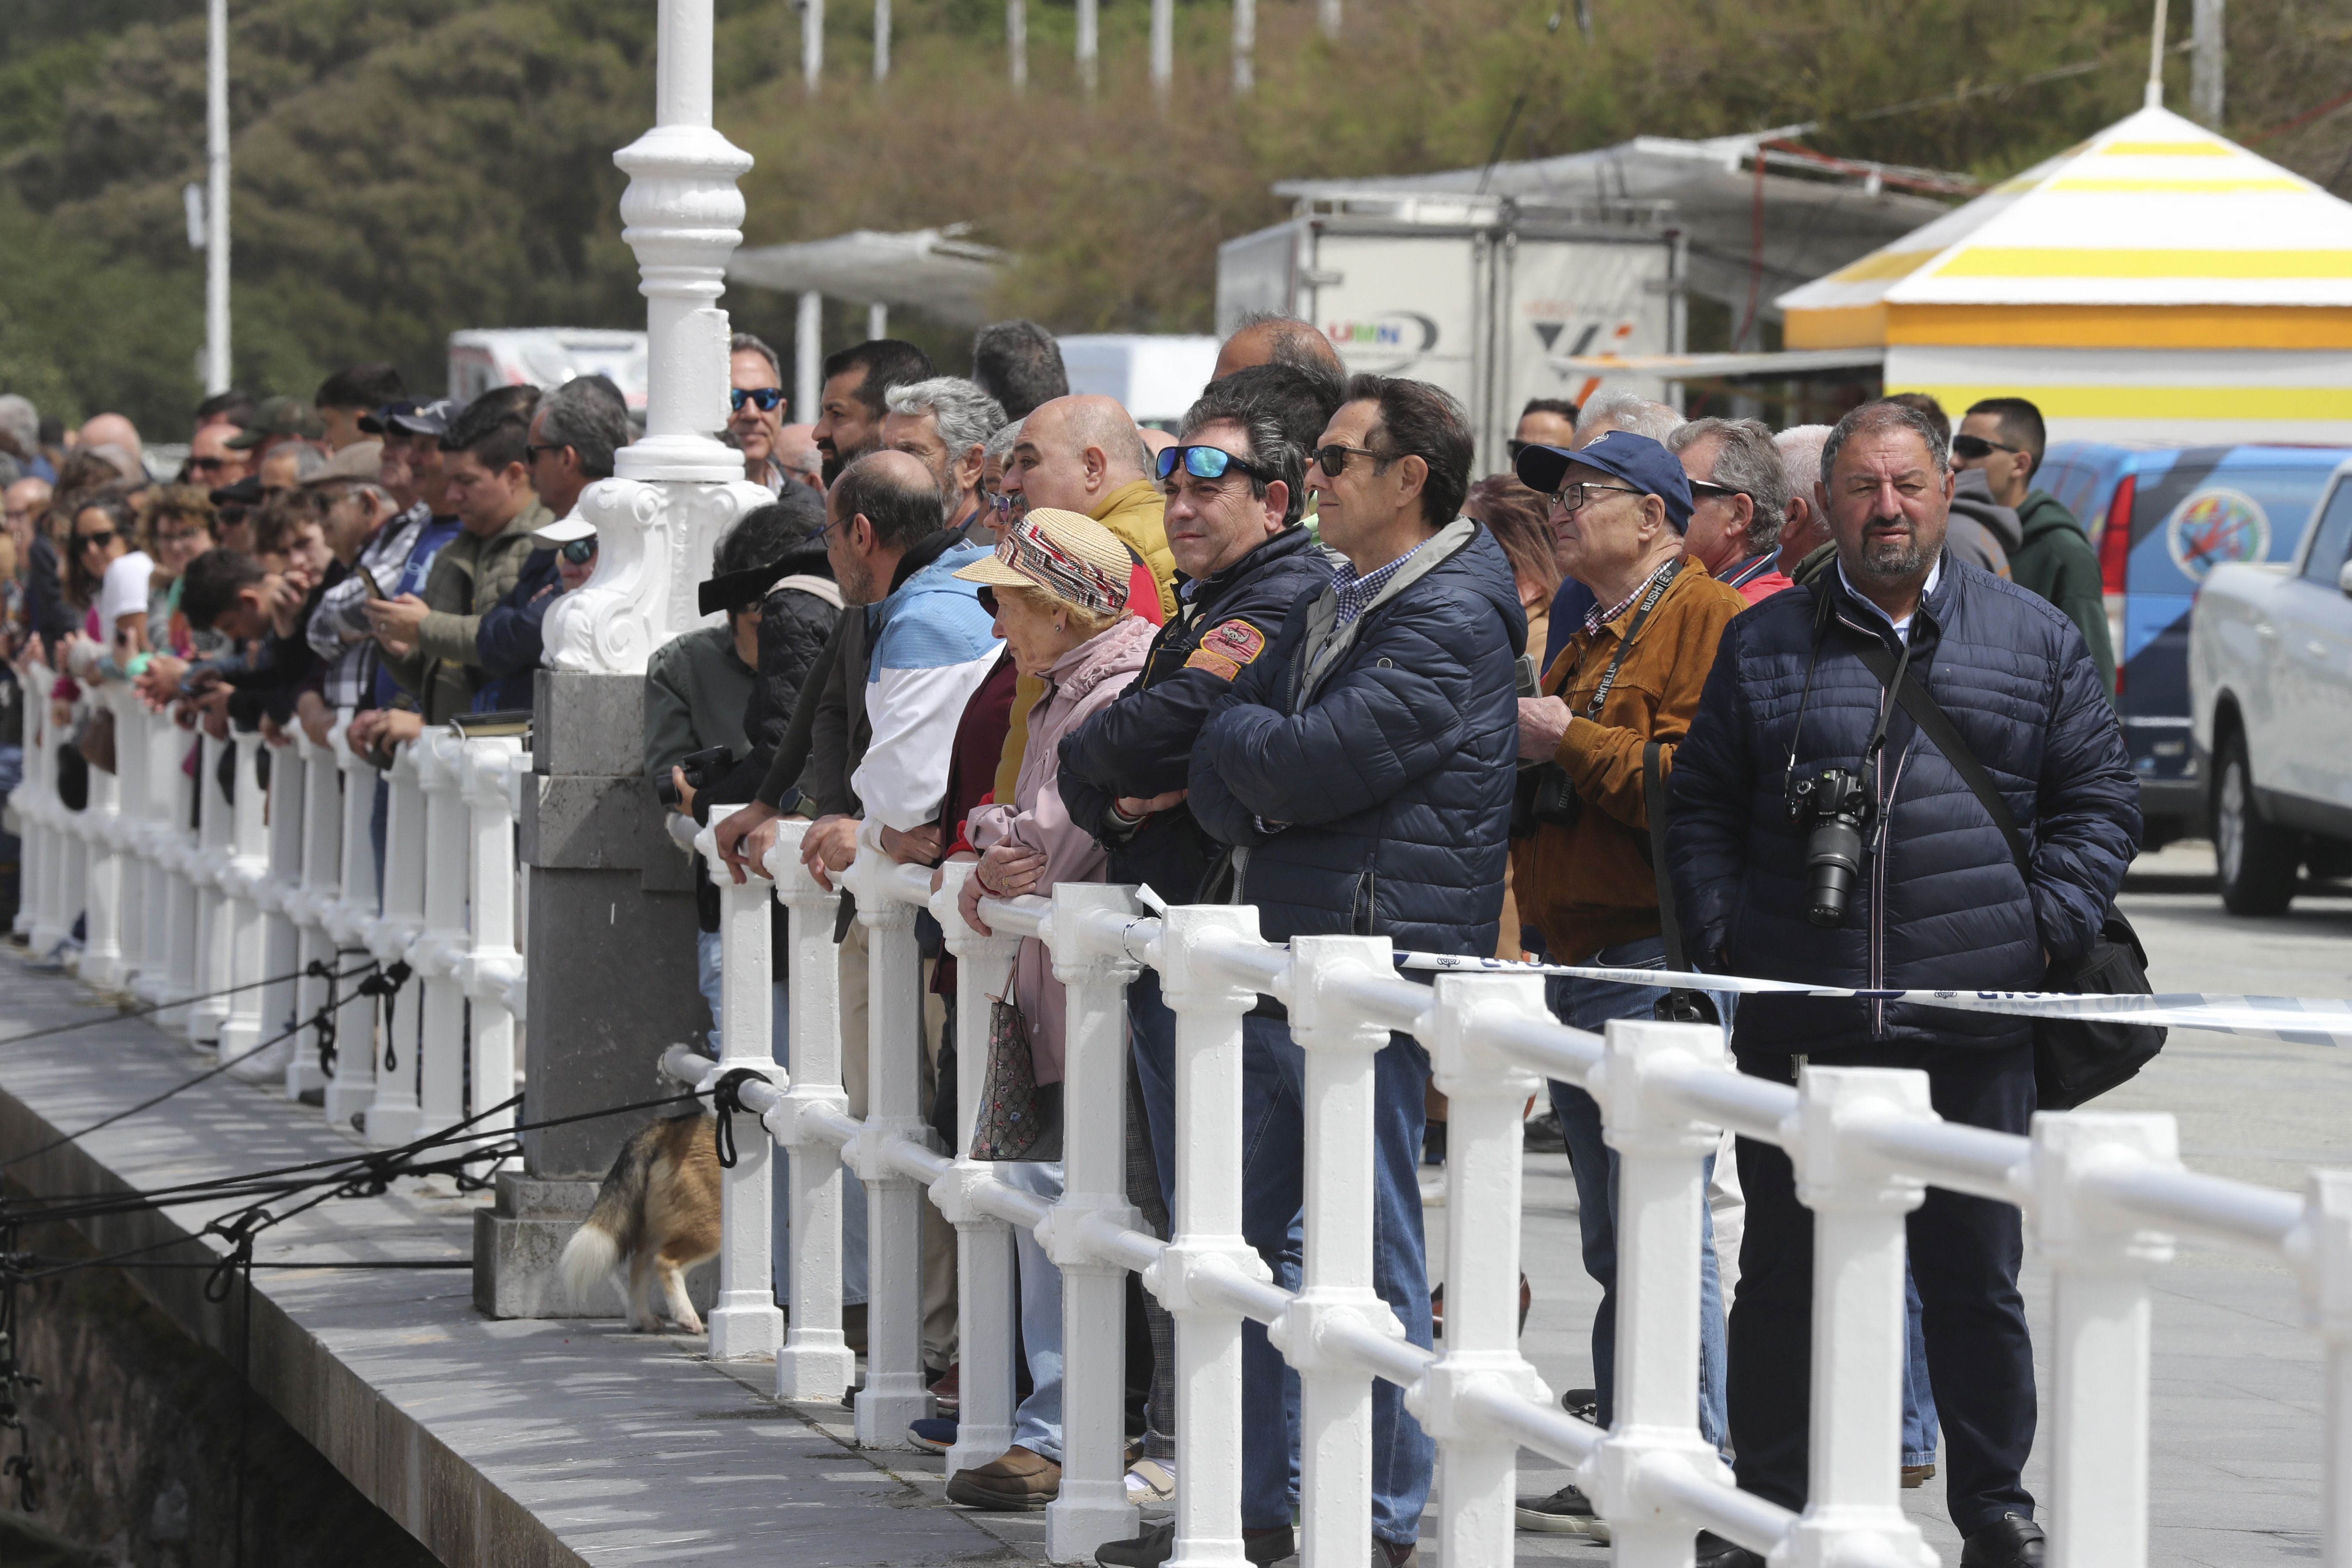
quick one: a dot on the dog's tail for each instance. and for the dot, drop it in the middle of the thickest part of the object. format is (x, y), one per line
(611, 1230)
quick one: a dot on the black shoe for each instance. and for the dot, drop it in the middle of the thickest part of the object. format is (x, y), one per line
(2012, 1541)
(1542, 1135)
(1714, 1552)
(1566, 1512)
(1157, 1543)
(1584, 1404)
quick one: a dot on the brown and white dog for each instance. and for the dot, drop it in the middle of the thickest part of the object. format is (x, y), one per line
(658, 1209)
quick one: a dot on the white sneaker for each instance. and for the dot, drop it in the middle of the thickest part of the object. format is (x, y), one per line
(1152, 1485)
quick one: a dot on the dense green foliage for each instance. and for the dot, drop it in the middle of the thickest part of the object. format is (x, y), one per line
(406, 167)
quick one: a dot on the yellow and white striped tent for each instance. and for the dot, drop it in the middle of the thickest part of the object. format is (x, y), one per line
(2157, 282)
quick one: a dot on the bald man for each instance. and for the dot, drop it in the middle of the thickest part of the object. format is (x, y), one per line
(1267, 339)
(112, 430)
(1084, 453)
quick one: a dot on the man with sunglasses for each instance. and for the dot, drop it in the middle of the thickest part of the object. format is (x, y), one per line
(755, 403)
(1739, 497)
(2004, 437)
(1543, 422)
(212, 462)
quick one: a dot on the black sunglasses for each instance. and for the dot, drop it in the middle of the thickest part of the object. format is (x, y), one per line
(1334, 457)
(1207, 463)
(767, 397)
(103, 536)
(579, 552)
(1978, 446)
(1708, 487)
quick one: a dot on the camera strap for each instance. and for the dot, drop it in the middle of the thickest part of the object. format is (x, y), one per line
(1938, 726)
(1658, 586)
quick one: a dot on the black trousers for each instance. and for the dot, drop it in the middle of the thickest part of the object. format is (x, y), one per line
(1964, 1257)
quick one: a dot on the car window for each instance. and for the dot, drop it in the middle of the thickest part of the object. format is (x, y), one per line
(2329, 543)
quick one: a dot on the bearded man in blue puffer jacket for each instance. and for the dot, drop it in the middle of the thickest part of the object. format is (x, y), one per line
(1937, 902)
(1359, 773)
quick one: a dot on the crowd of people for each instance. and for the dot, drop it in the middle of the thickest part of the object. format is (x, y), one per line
(1295, 654)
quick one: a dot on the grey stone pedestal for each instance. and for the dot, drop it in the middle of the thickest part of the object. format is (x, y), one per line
(612, 972)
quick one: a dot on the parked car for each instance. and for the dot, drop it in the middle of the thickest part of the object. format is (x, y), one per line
(2270, 689)
(2161, 517)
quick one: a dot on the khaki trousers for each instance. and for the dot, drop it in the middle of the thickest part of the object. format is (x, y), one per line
(939, 1235)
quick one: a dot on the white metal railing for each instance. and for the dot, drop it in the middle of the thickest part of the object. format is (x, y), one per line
(2103, 1194)
(232, 928)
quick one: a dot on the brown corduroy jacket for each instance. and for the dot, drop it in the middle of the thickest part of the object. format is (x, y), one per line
(1590, 886)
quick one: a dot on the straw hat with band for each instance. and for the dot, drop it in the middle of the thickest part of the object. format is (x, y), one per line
(1069, 558)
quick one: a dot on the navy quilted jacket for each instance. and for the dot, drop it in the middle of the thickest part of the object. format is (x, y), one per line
(1392, 766)
(1941, 905)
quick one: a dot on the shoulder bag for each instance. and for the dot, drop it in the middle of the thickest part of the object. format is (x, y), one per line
(2075, 1060)
(1018, 1120)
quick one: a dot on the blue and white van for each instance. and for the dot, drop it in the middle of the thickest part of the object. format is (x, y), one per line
(2161, 517)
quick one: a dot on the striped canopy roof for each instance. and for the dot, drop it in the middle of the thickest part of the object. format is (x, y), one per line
(2156, 214)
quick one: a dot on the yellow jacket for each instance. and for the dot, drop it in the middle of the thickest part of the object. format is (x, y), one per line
(1135, 511)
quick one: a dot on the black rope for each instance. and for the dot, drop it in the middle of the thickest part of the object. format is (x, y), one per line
(121, 1012)
(725, 1102)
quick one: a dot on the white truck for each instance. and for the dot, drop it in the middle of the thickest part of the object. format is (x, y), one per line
(2270, 695)
(1484, 295)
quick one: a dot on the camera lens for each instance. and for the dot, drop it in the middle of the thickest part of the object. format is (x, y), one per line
(1833, 857)
(666, 791)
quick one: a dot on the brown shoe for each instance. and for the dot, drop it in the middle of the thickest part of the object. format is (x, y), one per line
(1914, 1476)
(947, 1390)
(1016, 1481)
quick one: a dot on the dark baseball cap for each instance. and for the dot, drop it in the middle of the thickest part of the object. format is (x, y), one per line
(278, 416)
(410, 417)
(246, 491)
(1636, 459)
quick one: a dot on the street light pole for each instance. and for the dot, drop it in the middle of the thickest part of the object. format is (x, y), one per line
(216, 371)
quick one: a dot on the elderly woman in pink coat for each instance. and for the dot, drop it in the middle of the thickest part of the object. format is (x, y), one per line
(1058, 586)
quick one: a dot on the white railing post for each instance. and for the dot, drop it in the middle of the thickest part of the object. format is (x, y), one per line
(441, 945)
(893, 1394)
(2099, 1260)
(814, 1362)
(127, 832)
(1206, 1235)
(241, 1032)
(1486, 1092)
(348, 922)
(183, 853)
(2328, 1296)
(986, 1302)
(492, 969)
(208, 866)
(162, 835)
(101, 951)
(1661, 1205)
(318, 877)
(274, 891)
(1091, 1507)
(31, 809)
(745, 1321)
(1859, 1204)
(393, 1115)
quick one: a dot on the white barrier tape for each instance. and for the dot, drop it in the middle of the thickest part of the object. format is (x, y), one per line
(2322, 1020)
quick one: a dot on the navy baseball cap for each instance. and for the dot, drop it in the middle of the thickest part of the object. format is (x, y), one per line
(410, 417)
(1636, 459)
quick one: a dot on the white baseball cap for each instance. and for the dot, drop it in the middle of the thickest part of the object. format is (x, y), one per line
(563, 530)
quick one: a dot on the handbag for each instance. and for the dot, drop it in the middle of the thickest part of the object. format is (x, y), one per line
(1015, 1115)
(2075, 1060)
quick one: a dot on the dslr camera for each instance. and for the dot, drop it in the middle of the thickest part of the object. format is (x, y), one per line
(702, 769)
(1830, 809)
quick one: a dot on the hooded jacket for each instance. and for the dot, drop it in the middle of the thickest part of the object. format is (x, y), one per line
(1081, 682)
(1371, 793)
(1941, 903)
(1141, 745)
(2055, 559)
(1982, 532)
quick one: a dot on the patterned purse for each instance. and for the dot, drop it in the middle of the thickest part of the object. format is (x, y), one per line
(1010, 1122)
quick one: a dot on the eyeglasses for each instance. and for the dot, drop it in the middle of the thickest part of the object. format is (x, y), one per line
(579, 552)
(535, 449)
(1334, 457)
(103, 536)
(1978, 446)
(1009, 508)
(1709, 487)
(1207, 463)
(207, 465)
(767, 397)
(1573, 498)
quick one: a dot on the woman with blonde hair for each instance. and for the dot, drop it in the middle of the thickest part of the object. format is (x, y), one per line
(1058, 587)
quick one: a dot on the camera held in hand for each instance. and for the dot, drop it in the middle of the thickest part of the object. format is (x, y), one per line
(702, 769)
(1830, 809)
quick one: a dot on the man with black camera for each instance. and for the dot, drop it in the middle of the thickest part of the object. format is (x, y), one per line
(1595, 744)
(1819, 832)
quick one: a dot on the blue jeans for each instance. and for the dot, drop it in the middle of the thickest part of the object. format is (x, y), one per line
(1037, 1423)
(1273, 1198)
(1588, 1004)
(1918, 1397)
(853, 1190)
